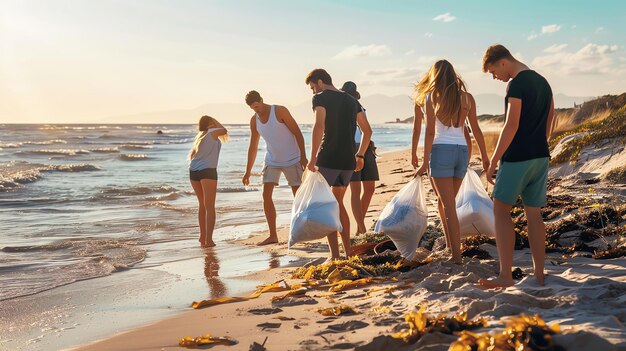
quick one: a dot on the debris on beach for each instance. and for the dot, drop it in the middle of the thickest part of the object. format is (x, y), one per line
(522, 332)
(192, 343)
(337, 310)
(277, 286)
(421, 324)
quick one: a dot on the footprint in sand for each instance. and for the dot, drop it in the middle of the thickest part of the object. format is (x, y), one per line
(343, 327)
(268, 325)
(265, 311)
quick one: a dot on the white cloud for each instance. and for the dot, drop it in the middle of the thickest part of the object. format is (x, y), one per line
(355, 51)
(410, 52)
(592, 59)
(428, 35)
(550, 28)
(599, 29)
(532, 36)
(555, 48)
(445, 17)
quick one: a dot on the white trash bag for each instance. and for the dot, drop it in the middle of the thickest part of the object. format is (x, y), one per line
(315, 211)
(474, 207)
(405, 218)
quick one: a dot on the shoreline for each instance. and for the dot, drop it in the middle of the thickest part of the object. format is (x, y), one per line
(569, 297)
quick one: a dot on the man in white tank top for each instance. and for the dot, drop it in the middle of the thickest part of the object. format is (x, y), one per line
(285, 153)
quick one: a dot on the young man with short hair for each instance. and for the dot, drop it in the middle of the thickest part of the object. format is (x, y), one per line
(285, 153)
(523, 153)
(333, 149)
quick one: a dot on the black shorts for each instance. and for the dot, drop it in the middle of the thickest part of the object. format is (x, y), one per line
(207, 173)
(336, 177)
(370, 169)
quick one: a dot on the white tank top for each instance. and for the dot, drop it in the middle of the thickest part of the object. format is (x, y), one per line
(282, 148)
(448, 135)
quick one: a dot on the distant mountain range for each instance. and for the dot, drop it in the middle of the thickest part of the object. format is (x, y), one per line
(380, 109)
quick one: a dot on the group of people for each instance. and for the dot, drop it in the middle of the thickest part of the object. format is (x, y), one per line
(343, 152)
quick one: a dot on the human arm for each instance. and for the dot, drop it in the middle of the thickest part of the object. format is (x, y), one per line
(252, 151)
(429, 137)
(219, 129)
(283, 115)
(366, 136)
(417, 130)
(316, 135)
(551, 121)
(478, 134)
(514, 109)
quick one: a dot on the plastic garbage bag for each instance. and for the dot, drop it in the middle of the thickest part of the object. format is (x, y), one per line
(315, 211)
(474, 207)
(405, 218)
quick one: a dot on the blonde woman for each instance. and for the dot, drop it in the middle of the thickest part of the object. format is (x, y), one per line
(203, 157)
(443, 95)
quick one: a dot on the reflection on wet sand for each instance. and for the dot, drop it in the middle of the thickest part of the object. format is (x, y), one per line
(274, 260)
(211, 272)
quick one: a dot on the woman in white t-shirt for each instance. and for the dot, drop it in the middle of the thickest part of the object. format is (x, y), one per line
(203, 158)
(448, 105)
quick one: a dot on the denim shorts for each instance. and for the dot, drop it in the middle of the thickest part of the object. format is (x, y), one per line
(448, 160)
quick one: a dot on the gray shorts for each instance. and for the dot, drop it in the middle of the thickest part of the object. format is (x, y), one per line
(336, 177)
(292, 173)
(448, 160)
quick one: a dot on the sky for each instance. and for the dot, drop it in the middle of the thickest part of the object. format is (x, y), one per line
(82, 61)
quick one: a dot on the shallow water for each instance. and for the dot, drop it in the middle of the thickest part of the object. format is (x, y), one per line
(113, 202)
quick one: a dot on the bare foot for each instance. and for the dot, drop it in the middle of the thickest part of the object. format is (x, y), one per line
(209, 244)
(269, 240)
(494, 283)
(540, 279)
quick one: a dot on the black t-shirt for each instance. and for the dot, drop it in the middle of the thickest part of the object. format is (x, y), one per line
(338, 148)
(530, 139)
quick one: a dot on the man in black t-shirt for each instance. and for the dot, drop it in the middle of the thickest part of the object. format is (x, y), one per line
(523, 154)
(333, 149)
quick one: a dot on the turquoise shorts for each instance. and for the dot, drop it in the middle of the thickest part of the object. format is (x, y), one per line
(526, 178)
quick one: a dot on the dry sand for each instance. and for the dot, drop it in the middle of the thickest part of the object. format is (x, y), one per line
(586, 297)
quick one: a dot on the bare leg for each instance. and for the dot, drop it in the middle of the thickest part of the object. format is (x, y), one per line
(339, 192)
(209, 188)
(197, 188)
(537, 240)
(294, 189)
(505, 241)
(355, 202)
(368, 191)
(270, 214)
(445, 189)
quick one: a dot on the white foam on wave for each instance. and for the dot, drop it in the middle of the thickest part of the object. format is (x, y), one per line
(15, 174)
(133, 157)
(54, 152)
(81, 259)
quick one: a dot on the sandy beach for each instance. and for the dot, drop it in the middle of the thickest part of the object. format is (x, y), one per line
(583, 295)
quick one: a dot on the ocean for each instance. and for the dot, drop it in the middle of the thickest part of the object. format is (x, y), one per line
(80, 202)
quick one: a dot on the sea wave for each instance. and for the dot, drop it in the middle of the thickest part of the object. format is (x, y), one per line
(166, 206)
(47, 142)
(133, 157)
(237, 189)
(54, 152)
(136, 191)
(10, 145)
(135, 146)
(105, 150)
(15, 174)
(81, 259)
